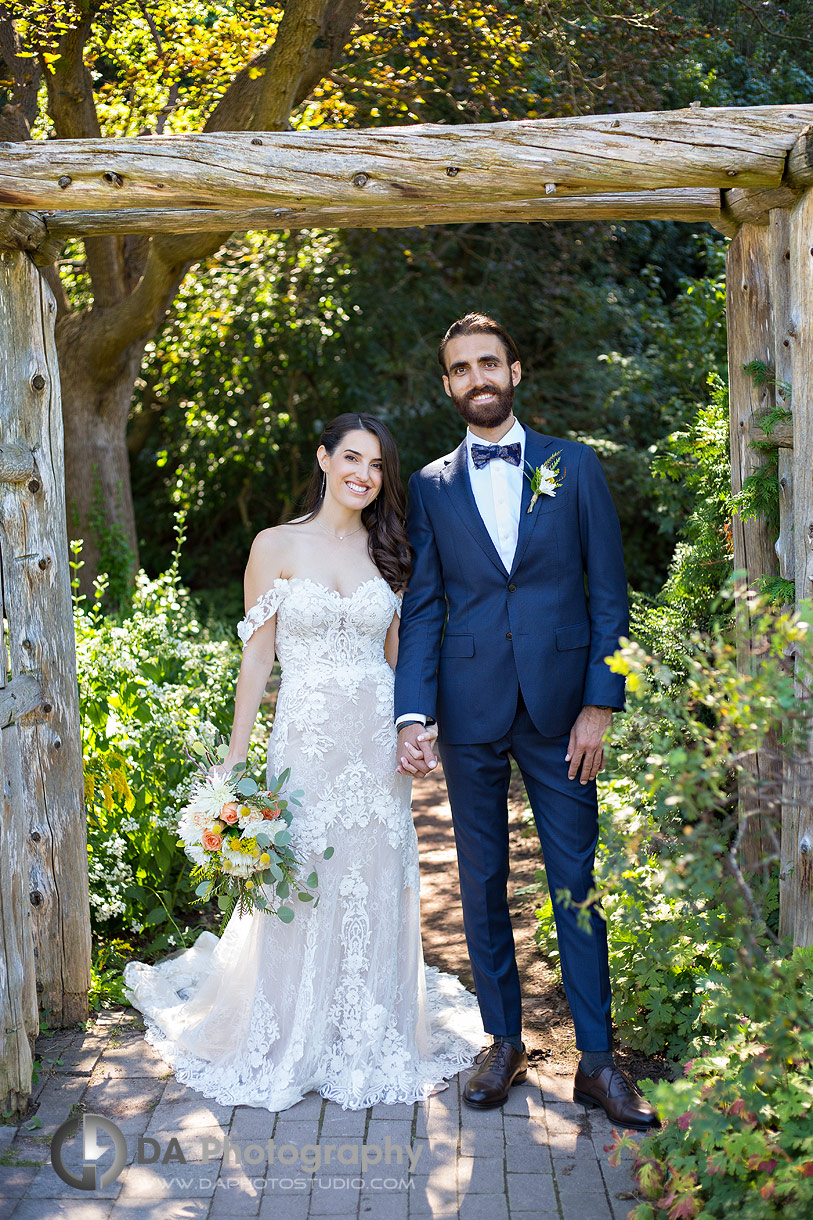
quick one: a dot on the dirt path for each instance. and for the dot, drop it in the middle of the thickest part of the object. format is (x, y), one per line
(547, 1025)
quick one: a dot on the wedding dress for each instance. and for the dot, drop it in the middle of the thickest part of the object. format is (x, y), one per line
(339, 1000)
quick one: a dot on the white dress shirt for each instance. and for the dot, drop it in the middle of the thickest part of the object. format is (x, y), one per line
(497, 489)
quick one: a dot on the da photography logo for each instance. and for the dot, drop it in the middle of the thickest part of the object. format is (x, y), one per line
(92, 1150)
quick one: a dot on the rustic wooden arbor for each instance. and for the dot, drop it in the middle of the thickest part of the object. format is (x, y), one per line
(745, 171)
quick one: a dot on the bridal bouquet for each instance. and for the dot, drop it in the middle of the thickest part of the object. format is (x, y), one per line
(237, 834)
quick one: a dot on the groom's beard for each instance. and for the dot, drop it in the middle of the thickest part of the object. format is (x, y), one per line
(485, 414)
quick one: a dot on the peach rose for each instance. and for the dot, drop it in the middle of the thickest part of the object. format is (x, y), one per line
(211, 840)
(229, 814)
(270, 814)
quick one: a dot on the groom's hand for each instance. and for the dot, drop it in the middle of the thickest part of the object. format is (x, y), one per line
(415, 753)
(585, 748)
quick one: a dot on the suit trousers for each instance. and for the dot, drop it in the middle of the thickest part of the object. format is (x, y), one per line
(566, 816)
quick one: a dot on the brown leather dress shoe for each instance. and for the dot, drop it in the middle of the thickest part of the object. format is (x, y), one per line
(620, 1099)
(501, 1065)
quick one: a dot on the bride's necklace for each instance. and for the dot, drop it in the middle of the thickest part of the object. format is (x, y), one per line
(339, 537)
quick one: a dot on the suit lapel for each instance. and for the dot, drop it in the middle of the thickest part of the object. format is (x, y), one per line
(455, 478)
(537, 450)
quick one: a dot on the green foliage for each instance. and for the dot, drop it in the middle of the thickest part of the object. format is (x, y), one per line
(696, 461)
(681, 914)
(759, 496)
(776, 590)
(116, 558)
(150, 681)
(106, 983)
(736, 1137)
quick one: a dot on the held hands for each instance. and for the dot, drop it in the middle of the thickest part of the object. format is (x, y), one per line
(415, 753)
(585, 748)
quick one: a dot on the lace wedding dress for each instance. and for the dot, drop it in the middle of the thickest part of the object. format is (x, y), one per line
(339, 1000)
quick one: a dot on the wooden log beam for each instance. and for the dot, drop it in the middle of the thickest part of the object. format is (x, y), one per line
(781, 434)
(800, 160)
(754, 207)
(28, 231)
(700, 204)
(35, 581)
(21, 696)
(715, 147)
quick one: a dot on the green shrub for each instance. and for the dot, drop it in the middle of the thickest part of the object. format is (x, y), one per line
(150, 682)
(737, 1136)
(669, 874)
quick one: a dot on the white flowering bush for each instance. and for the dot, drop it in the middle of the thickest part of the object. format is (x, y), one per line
(150, 683)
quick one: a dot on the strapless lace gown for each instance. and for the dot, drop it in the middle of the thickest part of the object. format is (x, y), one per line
(339, 1000)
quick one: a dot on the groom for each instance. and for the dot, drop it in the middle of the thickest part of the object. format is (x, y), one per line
(517, 669)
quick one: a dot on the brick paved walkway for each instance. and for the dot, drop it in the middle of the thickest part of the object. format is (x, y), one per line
(539, 1156)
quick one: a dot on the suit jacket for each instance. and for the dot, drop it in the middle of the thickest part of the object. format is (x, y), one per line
(472, 633)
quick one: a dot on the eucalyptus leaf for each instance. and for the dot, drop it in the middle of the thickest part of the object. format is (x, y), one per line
(286, 914)
(247, 786)
(283, 889)
(313, 880)
(282, 838)
(303, 897)
(328, 852)
(203, 889)
(198, 749)
(222, 750)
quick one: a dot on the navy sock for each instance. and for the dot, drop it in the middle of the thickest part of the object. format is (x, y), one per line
(514, 1040)
(593, 1061)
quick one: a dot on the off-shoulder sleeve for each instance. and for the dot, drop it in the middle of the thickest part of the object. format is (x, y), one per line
(263, 609)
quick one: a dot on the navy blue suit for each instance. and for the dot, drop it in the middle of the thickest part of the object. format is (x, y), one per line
(505, 661)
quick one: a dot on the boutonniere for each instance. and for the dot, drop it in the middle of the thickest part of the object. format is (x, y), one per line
(545, 478)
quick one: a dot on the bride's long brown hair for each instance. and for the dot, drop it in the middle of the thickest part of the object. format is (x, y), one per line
(387, 541)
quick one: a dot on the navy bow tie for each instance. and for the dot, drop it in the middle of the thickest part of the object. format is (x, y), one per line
(482, 454)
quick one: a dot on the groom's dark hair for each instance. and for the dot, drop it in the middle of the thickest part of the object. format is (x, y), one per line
(478, 324)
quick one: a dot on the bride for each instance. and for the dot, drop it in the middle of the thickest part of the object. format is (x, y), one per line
(339, 1000)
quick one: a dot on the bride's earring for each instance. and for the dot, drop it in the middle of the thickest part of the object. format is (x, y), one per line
(324, 485)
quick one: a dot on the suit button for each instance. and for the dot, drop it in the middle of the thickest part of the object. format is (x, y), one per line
(512, 588)
(508, 635)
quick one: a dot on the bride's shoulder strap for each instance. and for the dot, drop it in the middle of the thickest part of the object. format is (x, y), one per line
(263, 609)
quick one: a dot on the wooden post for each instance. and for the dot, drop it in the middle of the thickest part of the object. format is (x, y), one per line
(19, 1021)
(779, 225)
(750, 337)
(799, 902)
(46, 794)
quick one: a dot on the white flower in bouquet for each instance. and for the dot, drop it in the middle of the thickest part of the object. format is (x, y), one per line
(237, 833)
(212, 794)
(237, 863)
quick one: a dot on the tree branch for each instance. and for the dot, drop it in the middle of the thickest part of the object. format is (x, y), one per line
(137, 316)
(300, 28)
(17, 115)
(72, 108)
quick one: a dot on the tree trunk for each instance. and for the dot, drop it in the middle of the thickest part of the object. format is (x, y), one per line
(98, 497)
